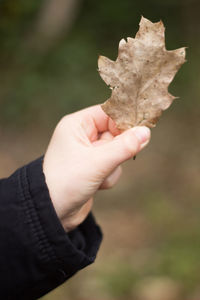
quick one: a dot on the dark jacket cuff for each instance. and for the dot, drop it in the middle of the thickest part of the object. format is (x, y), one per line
(60, 252)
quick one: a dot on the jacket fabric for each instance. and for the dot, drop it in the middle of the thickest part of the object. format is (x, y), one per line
(36, 254)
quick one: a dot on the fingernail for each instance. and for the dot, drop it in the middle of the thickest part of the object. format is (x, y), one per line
(142, 133)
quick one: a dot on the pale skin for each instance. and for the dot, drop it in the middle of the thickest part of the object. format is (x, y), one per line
(84, 155)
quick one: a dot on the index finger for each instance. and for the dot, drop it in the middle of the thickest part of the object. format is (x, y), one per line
(101, 120)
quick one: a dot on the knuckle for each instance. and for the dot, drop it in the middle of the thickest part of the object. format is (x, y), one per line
(63, 124)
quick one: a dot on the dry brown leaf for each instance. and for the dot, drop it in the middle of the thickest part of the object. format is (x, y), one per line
(140, 76)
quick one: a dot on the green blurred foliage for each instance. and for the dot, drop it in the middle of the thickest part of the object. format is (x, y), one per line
(44, 86)
(15, 17)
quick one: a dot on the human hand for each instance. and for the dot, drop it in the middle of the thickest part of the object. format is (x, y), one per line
(84, 155)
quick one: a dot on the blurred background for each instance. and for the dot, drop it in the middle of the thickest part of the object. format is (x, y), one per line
(151, 220)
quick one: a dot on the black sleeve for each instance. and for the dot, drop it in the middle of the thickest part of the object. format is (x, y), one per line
(36, 254)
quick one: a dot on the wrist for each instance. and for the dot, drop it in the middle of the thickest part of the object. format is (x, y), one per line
(70, 212)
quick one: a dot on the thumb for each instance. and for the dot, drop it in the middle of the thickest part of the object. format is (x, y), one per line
(122, 147)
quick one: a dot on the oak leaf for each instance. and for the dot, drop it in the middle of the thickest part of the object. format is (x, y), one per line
(140, 76)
